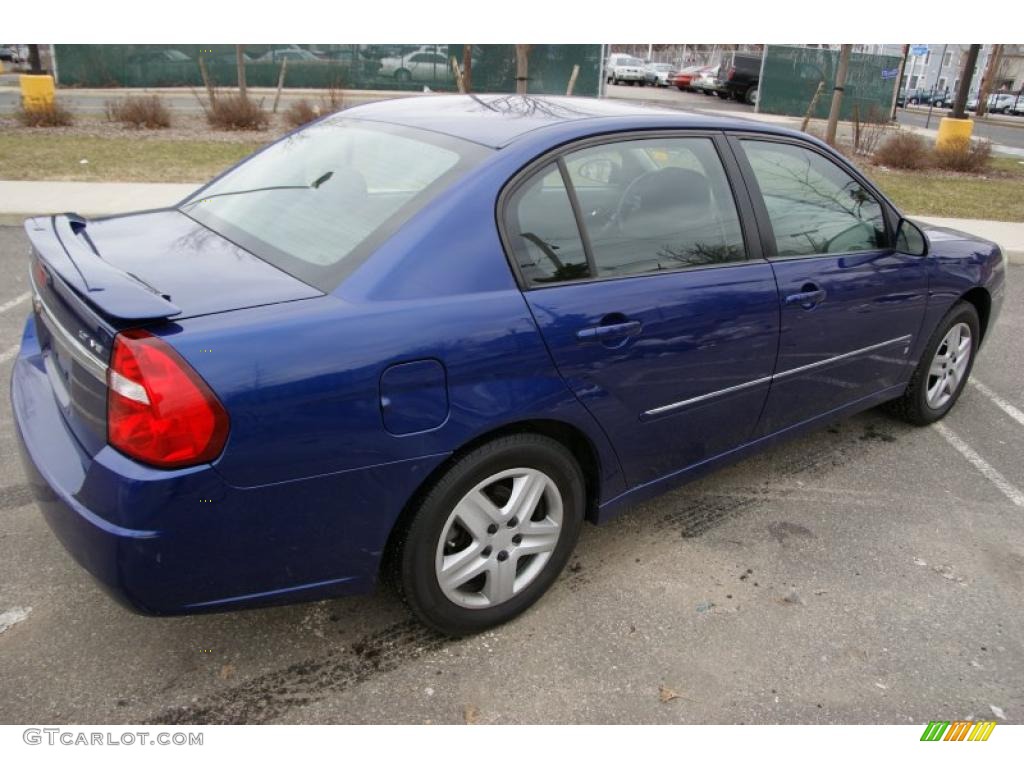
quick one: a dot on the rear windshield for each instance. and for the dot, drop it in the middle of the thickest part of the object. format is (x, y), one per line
(317, 202)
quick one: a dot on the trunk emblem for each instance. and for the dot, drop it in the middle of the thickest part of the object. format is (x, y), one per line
(90, 342)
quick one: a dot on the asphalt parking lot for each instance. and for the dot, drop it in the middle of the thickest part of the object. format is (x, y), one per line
(869, 573)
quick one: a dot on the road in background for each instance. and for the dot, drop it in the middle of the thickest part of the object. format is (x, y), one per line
(869, 573)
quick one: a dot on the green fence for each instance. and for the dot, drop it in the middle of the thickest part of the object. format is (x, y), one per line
(384, 67)
(791, 76)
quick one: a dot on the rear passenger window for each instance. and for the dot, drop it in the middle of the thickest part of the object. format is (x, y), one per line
(815, 207)
(654, 205)
(545, 240)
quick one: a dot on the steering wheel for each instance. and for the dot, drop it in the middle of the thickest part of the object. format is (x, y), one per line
(630, 201)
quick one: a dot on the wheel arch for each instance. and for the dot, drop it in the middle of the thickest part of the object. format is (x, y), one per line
(571, 437)
(981, 300)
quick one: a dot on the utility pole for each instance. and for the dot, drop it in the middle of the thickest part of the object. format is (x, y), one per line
(240, 64)
(960, 105)
(899, 81)
(837, 94)
(995, 59)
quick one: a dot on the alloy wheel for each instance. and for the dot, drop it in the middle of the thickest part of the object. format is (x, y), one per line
(498, 538)
(948, 366)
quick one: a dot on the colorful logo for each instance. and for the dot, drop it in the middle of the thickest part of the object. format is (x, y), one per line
(958, 730)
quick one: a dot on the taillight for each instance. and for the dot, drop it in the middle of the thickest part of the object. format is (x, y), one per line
(159, 410)
(732, 74)
(39, 274)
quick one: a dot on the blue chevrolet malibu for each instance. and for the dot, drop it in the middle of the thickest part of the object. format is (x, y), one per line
(431, 337)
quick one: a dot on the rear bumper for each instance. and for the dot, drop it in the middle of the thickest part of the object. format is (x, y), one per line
(172, 542)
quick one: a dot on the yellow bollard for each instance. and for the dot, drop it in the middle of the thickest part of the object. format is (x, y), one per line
(954, 131)
(36, 91)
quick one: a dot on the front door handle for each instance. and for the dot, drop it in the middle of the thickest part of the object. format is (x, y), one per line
(610, 331)
(809, 297)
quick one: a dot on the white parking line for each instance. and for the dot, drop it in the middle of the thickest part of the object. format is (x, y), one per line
(1014, 413)
(14, 302)
(8, 354)
(1010, 491)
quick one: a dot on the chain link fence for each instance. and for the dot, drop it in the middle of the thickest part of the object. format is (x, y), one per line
(791, 76)
(364, 67)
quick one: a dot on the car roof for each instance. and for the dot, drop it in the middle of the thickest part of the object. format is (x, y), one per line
(496, 120)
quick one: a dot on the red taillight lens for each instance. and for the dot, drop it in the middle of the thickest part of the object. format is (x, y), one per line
(159, 410)
(39, 274)
(732, 74)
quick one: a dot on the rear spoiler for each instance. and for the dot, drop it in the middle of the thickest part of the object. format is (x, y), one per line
(63, 244)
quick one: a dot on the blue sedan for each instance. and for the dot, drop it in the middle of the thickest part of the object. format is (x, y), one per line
(428, 338)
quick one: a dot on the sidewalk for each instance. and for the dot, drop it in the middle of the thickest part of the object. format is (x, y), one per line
(20, 199)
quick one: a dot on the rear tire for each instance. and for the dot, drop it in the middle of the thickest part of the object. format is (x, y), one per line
(942, 373)
(476, 552)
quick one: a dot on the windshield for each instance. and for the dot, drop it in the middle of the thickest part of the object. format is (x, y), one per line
(317, 202)
(633, 63)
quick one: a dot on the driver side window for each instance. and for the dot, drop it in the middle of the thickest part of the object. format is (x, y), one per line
(664, 204)
(815, 207)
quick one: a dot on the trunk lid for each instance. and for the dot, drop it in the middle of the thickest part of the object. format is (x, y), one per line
(91, 279)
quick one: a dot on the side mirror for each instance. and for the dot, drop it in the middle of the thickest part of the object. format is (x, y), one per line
(599, 169)
(910, 239)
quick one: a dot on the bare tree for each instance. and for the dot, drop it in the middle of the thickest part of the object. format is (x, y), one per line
(960, 103)
(240, 64)
(522, 67)
(995, 59)
(837, 94)
(467, 68)
(35, 66)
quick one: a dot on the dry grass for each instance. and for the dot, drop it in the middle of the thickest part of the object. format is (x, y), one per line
(51, 156)
(139, 112)
(300, 113)
(995, 196)
(233, 112)
(51, 115)
(964, 156)
(304, 111)
(904, 150)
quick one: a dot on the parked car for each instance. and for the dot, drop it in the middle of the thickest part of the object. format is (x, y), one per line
(684, 78)
(9, 53)
(659, 75)
(626, 70)
(354, 62)
(159, 56)
(1017, 108)
(706, 81)
(611, 61)
(739, 76)
(390, 344)
(998, 103)
(421, 66)
(277, 55)
(924, 97)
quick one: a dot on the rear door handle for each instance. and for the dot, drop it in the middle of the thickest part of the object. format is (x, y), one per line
(611, 331)
(808, 298)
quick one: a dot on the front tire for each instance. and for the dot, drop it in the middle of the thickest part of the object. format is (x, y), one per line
(946, 364)
(492, 535)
